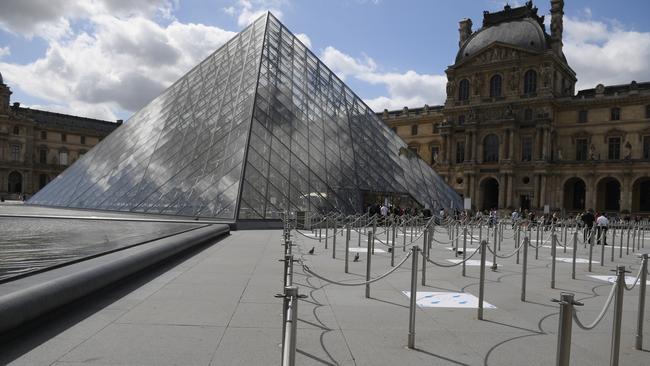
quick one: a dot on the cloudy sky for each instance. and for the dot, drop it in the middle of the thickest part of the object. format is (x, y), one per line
(108, 58)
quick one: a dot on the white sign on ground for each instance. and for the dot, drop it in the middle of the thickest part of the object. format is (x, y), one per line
(470, 262)
(467, 203)
(365, 250)
(570, 260)
(465, 300)
(629, 280)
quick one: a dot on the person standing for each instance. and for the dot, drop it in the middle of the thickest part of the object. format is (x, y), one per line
(602, 222)
(588, 219)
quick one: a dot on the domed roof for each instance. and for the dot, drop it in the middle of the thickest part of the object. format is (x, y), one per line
(524, 33)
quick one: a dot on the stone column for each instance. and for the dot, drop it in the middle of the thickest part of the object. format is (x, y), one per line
(626, 193)
(546, 143)
(511, 144)
(468, 141)
(473, 148)
(443, 149)
(542, 191)
(590, 194)
(502, 146)
(509, 190)
(466, 188)
(502, 191)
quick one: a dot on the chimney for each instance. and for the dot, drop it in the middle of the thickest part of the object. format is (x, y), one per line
(465, 30)
(557, 12)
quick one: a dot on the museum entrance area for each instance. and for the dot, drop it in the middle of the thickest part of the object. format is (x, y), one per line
(574, 194)
(490, 194)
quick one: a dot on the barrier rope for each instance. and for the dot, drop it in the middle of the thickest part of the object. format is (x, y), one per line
(636, 280)
(600, 316)
(504, 256)
(453, 264)
(308, 270)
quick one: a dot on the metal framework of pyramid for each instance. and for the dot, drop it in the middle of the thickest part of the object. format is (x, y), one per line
(259, 127)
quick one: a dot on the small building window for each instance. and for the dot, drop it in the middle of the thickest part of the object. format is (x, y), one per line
(16, 130)
(414, 130)
(528, 114)
(615, 114)
(43, 135)
(526, 149)
(647, 111)
(42, 181)
(495, 86)
(463, 90)
(581, 149)
(646, 147)
(42, 156)
(460, 152)
(63, 158)
(461, 120)
(64, 138)
(491, 148)
(434, 128)
(14, 152)
(434, 154)
(614, 148)
(582, 116)
(83, 140)
(530, 82)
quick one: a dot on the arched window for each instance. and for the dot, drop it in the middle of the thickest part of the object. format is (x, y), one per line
(491, 148)
(495, 86)
(16, 130)
(530, 82)
(463, 90)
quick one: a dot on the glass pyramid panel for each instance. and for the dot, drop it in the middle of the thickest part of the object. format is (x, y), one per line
(262, 108)
(183, 154)
(315, 146)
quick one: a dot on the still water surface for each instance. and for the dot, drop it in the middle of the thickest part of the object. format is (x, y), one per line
(28, 245)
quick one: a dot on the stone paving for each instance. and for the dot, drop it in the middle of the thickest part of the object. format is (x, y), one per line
(216, 306)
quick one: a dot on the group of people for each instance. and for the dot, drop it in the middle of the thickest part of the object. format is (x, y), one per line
(588, 219)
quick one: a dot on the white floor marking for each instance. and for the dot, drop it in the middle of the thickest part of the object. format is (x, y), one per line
(570, 260)
(471, 262)
(447, 300)
(611, 279)
(365, 250)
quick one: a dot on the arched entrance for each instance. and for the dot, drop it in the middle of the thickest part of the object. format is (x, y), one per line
(641, 195)
(15, 182)
(490, 193)
(608, 196)
(574, 194)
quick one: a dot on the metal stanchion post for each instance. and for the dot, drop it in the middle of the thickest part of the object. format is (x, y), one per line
(334, 243)
(564, 227)
(481, 287)
(517, 241)
(327, 226)
(524, 269)
(494, 253)
(553, 254)
(591, 247)
(289, 348)
(638, 344)
(620, 245)
(404, 237)
(575, 251)
(347, 246)
(374, 231)
(603, 239)
(413, 298)
(392, 250)
(564, 328)
(618, 314)
(424, 249)
(613, 241)
(627, 246)
(368, 259)
(464, 248)
(537, 244)
(457, 241)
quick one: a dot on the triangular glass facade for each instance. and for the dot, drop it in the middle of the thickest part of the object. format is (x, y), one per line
(258, 127)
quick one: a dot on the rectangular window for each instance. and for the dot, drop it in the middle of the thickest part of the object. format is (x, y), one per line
(646, 147)
(614, 148)
(434, 154)
(460, 152)
(414, 130)
(63, 158)
(83, 140)
(43, 135)
(615, 114)
(647, 111)
(461, 120)
(434, 128)
(64, 138)
(42, 156)
(526, 149)
(582, 116)
(581, 149)
(15, 152)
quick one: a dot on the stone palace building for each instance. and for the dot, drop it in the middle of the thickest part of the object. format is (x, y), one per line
(36, 146)
(513, 132)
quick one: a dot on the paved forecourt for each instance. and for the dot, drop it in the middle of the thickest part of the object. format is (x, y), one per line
(217, 307)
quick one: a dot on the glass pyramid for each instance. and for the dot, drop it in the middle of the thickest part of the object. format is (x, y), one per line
(259, 127)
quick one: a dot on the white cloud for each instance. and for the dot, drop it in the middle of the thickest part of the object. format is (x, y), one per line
(304, 39)
(404, 89)
(118, 67)
(248, 11)
(605, 53)
(4, 51)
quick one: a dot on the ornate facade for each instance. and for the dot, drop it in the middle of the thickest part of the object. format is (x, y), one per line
(36, 146)
(513, 133)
